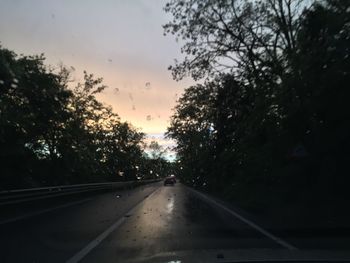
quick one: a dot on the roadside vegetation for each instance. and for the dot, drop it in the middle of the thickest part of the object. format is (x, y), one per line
(269, 125)
(54, 131)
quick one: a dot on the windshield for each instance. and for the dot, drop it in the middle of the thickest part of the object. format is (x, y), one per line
(174, 130)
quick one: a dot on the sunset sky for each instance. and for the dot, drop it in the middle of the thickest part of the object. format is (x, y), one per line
(119, 40)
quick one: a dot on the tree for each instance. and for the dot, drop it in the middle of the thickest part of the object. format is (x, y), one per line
(247, 48)
(315, 96)
(192, 126)
(32, 114)
(283, 86)
(51, 134)
(156, 151)
(244, 38)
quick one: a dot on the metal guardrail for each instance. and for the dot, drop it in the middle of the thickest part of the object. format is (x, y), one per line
(30, 194)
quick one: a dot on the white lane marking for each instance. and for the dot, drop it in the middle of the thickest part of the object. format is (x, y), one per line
(248, 222)
(170, 205)
(14, 219)
(82, 253)
(94, 243)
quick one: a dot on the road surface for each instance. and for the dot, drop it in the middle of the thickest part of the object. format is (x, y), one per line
(130, 226)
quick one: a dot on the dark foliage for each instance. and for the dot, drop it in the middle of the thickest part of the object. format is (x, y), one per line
(272, 114)
(51, 134)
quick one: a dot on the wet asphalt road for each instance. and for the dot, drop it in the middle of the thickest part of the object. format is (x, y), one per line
(174, 219)
(163, 219)
(125, 226)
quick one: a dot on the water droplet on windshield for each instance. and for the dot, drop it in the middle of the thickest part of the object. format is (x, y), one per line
(220, 255)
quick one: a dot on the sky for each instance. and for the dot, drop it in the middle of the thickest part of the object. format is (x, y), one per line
(121, 41)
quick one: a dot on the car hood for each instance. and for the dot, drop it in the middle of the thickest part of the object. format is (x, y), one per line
(248, 255)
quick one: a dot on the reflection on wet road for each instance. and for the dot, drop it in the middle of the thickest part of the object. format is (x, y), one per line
(149, 223)
(170, 205)
(174, 219)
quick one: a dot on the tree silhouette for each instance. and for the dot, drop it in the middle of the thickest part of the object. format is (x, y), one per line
(51, 134)
(275, 81)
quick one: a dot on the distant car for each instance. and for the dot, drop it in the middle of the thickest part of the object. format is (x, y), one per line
(169, 180)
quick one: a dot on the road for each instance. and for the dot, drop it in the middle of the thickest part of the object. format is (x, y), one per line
(129, 226)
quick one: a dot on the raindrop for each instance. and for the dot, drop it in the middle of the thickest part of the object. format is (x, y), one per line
(133, 107)
(220, 255)
(110, 60)
(148, 117)
(148, 85)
